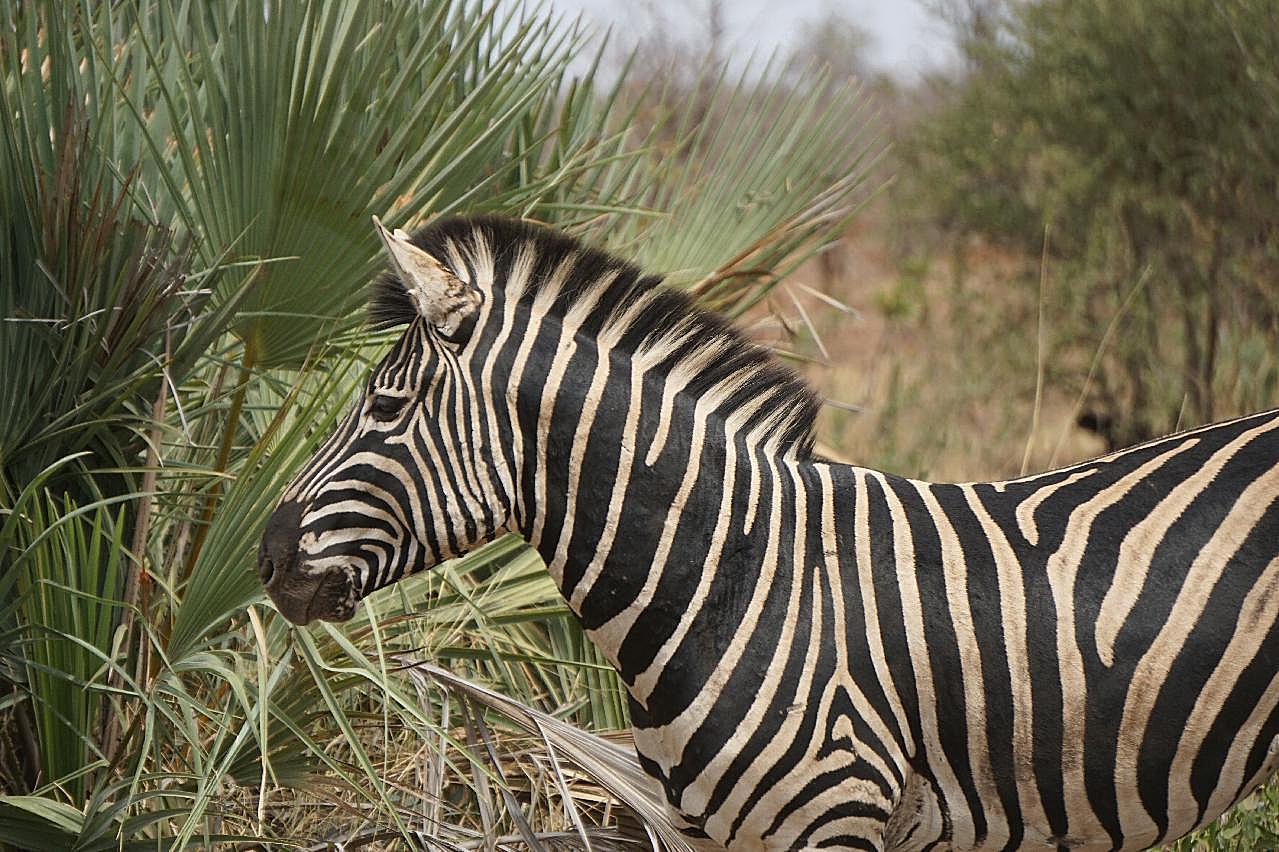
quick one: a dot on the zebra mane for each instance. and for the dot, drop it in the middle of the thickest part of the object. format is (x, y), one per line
(626, 310)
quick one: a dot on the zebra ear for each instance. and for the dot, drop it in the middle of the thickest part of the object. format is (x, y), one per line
(443, 299)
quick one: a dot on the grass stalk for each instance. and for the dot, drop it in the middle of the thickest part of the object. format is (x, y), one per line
(224, 453)
(1039, 358)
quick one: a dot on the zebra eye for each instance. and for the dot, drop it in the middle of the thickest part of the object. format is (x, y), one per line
(385, 408)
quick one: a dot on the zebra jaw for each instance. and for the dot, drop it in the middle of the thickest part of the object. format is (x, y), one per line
(442, 298)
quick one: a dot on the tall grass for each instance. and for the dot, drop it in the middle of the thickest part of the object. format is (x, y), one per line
(186, 189)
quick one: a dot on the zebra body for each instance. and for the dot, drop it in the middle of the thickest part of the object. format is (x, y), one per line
(818, 655)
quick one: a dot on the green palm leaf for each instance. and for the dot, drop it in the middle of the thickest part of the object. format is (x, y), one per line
(252, 147)
(305, 122)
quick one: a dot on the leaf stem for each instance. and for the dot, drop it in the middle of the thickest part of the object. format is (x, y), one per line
(224, 452)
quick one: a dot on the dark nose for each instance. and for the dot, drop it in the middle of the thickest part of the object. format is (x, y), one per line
(279, 549)
(301, 592)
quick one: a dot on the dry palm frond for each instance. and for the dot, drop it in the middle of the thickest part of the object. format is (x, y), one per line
(607, 763)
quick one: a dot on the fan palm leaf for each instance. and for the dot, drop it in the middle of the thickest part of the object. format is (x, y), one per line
(251, 143)
(302, 120)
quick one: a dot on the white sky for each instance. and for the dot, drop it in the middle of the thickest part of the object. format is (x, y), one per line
(907, 39)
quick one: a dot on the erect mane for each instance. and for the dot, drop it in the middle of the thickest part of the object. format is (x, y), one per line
(610, 298)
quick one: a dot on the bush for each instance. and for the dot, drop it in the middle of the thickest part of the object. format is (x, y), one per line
(1136, 139)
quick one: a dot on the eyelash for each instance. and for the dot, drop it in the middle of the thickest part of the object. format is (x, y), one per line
(385, 408)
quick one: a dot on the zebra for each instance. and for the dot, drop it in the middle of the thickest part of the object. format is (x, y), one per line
(817, 655)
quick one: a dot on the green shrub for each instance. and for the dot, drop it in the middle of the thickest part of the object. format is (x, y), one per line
(1138, 139)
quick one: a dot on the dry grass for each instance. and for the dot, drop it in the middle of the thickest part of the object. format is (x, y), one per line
(922, 384)
(499, 775)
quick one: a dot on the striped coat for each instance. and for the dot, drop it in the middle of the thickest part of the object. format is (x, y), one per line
(817, 654)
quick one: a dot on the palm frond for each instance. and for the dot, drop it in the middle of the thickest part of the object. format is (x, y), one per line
(609, 764)
(752, 178)
(291, 151)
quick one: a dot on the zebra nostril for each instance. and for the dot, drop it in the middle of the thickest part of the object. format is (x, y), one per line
(279, 546)
(266, 569)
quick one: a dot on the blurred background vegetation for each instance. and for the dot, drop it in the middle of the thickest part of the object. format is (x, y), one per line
(1073, 248)
(1082, 236)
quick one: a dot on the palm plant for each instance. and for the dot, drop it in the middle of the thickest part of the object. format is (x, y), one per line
(186, 190)
(101, 309)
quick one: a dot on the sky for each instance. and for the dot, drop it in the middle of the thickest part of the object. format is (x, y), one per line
(908, 40)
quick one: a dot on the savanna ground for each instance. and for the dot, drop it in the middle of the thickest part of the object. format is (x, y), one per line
(915, 385)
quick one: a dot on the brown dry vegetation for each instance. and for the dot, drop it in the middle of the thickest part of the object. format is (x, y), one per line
(920, 386)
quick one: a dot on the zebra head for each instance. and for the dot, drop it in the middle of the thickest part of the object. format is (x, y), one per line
(399, 486)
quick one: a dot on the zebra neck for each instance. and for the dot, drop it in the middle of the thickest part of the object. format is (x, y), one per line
(641, 487)
(662, 530)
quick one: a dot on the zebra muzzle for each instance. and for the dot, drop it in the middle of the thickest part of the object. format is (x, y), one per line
(305, 593)
(302, 592)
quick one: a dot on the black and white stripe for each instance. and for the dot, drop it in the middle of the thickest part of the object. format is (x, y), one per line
(819, 655)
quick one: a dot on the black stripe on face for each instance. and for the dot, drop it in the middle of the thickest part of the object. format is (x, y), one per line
(303, 486)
